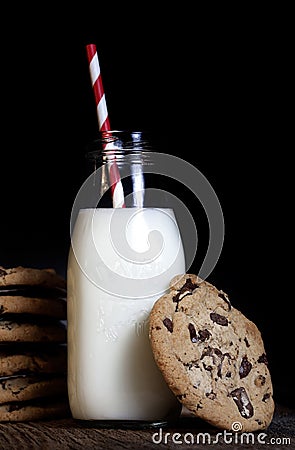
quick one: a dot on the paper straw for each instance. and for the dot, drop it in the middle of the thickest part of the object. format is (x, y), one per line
(104, 124)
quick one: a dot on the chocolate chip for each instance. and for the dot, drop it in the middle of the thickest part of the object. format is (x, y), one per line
(3, 273)
(191, 364)
(218, 358)
(8, 325)
(219, 369)
(190, 285)
(260, 380)
(208, 351)
(242, 401)
(175, 297)
(224, 297)
(14, 407)
(3, 384)
(168, 324)
(245, 367)
(246, 342)
(218, 352)
(192, 332)
(204, 334)
(211, 395)
(266, 397)
(185, 290)
(221, 356)
(220, 320)
(262, 359)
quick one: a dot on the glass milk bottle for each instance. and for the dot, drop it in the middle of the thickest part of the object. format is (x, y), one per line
(122, 258)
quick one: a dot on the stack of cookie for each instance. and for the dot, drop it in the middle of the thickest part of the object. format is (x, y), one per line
(33, 351)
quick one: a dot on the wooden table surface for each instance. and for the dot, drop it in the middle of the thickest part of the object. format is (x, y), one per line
(187, 433)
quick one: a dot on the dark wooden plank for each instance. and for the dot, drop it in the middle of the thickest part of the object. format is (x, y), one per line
(192, 433)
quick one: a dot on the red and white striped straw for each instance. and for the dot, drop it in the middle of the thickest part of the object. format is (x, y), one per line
(104, 124)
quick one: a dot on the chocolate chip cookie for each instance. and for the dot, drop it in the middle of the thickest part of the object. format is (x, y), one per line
(19, 304)
(23, 359)
(24, 329)
(38, 409)
(211, 356)
(28, 387)
(27, 276)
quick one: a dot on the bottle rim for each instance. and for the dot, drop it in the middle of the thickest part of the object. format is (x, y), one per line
(119, 143)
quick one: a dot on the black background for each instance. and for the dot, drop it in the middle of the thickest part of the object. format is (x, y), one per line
(223, 77)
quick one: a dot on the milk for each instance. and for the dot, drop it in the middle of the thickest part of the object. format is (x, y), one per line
(121, 260)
